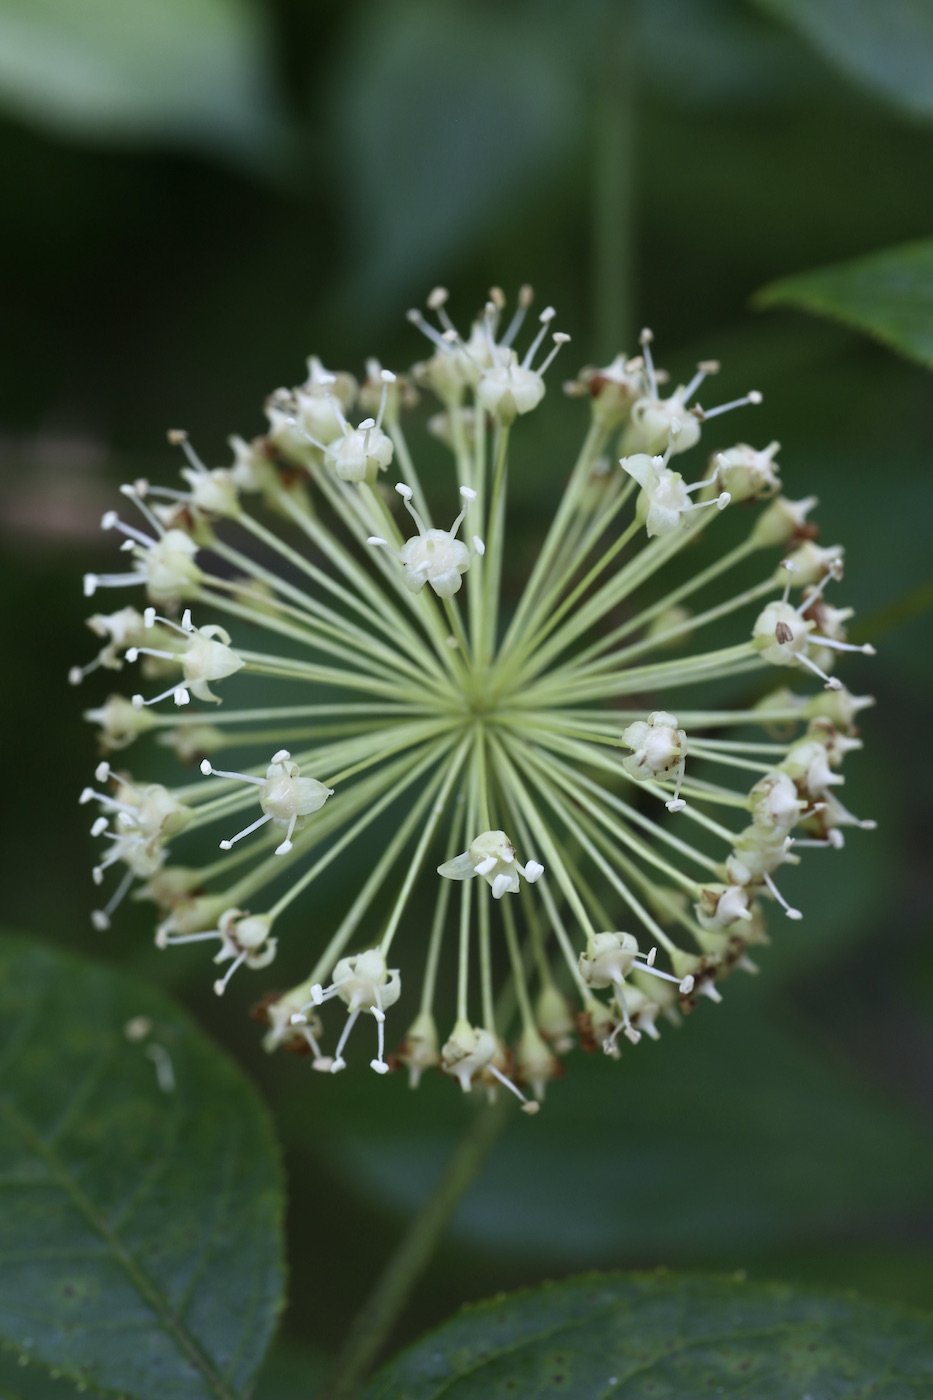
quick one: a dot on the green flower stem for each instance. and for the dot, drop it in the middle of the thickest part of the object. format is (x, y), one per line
(382, 1309)
(540, 574)
(361, 512)
(366, 600)
(673, 634)
(423, 604)
(727, 661)
(517, 791)
(555, 781)
(411, 476)
(374, 882)
(485, 959)
(373, 811)
(631, 814)
(442, 902)
(485, 642)
(545, 618)
(381, 612)
(438, 809)
(670, 600)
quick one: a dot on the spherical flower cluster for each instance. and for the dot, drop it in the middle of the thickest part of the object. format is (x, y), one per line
(597, 861)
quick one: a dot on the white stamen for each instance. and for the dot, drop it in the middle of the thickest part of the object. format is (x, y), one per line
(529, 1106)
(132, 494)
(247, 831)
(705, 414)
(644, 341)
(220, 986)
(339, 1062)
(791, 913)
(209, 771)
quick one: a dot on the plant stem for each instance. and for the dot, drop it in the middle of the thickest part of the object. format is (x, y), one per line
(385, 1304)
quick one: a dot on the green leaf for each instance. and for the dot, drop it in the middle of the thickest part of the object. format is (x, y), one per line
(886, 47)
(188, 72)
(627, 1336)
(140, 1191)
(21, 1381)
(887, 295)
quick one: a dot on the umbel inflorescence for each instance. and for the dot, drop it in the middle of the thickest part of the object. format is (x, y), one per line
(597, 855)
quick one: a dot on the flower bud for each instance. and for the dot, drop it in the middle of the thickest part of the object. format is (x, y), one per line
(419, 1051)
(120, 722)
(745, 473)
(536, 1062)
(722, 906)
(552, 1014)
(781, 521)
(467, 1052)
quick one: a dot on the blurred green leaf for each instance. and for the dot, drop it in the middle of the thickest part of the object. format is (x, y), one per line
(886, 47)
(445, 115)
(887, 295)
(291, 1372)
(194, 73)
(910, 605)
(635, 1335)
(19, 1381)
(142, 1201)
(733, 1133)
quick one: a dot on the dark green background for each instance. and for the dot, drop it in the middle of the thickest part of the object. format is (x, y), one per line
(170, 272)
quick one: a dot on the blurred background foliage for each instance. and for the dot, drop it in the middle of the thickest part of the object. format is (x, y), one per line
(199, 193)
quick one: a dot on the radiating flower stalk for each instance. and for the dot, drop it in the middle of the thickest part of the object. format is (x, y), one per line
(598, 856)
